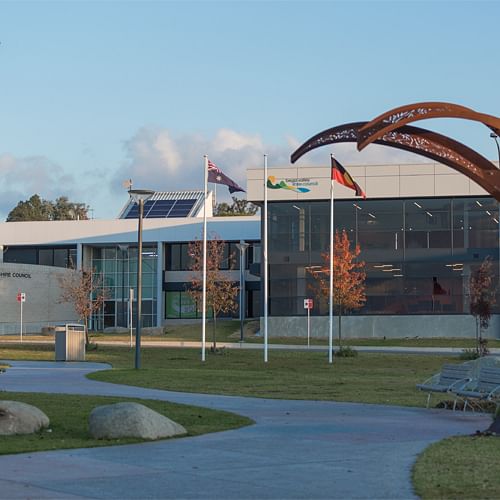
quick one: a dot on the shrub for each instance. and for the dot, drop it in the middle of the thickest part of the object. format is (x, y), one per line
(467, 354)
(346, 352)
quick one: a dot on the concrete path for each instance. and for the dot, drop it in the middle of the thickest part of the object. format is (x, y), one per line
(296, 449)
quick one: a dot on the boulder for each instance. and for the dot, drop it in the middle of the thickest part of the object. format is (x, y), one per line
(131, 420)
(21, 418)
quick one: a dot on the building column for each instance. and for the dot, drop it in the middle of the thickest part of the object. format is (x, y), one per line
(79, 256)
(1, 254)
(159, 284)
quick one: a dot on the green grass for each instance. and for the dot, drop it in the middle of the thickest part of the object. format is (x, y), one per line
(370, 378)
(464, 467)
(69, 417)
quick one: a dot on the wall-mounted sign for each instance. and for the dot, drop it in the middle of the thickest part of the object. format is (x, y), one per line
(15, 275)
(297, 184)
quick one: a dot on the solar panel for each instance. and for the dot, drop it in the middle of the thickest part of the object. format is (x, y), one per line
(158, 209)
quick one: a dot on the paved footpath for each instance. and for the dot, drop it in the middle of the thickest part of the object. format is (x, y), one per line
(296, 449)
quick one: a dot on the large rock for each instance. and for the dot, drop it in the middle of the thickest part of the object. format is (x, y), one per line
(21, 418)
(122, 420)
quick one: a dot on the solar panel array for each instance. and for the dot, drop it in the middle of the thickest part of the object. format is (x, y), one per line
(161, 209)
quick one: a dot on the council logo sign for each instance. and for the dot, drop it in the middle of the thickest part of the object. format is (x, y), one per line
(296, 184)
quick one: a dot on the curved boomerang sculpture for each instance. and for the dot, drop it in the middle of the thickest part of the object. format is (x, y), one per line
(395, 118)
(420, 141)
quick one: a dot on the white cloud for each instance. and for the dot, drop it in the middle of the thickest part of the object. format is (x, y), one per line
(158, 159)
(23, 177)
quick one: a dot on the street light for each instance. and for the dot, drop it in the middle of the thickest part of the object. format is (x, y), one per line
(495, 137)
(139, 196)
(242, 246)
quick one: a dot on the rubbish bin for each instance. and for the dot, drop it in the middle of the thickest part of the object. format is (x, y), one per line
(70, 342)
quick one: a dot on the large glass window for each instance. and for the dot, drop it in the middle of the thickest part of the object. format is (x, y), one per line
(419, 253)
(43, 256)
(118, 266)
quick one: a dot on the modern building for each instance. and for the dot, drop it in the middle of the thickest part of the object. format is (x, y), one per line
(35, 254)
(422, 230)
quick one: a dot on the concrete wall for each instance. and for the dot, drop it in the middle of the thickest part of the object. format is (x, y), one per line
(42, 307)
(463, 326)
(379, 181)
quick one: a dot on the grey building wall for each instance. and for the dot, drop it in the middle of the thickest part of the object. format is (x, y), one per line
(423, 326)
(42, 306)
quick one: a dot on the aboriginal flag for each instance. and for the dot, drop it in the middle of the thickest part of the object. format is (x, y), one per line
(340, 174)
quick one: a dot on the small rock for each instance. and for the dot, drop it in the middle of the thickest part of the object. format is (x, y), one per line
(131, 420)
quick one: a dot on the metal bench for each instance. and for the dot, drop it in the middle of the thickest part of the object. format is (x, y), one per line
(449, 380)
(485, 388)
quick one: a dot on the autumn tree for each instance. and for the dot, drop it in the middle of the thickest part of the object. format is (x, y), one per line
(482, 300)
(238, 207)
(220, 291)
(84, 289)
(348, 277)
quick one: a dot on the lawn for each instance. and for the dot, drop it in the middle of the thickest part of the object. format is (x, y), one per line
(463, 467)
(370, 378)
(69, 417)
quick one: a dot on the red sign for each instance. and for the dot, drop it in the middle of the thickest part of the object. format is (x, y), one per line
(308, 303)
(21, 297)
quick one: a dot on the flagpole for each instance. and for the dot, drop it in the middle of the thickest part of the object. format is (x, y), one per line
(204, 293)
(332, 252)
(265, 263)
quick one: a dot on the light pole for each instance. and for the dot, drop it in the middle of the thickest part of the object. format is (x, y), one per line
(139, 196)
(242, 247)
(495, 137)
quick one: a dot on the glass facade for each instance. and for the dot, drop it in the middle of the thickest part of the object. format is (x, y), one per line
(419, 253)
(43, 256)
(118, 265)
(178, 303)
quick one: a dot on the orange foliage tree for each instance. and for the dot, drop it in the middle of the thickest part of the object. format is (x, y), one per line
(221, 292)
(482, 300)
(84, 289)
(348, 277)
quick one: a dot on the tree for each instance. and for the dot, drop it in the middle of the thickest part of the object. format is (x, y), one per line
(63, 209)
(36, 209)
(84, 289)
(221, 292)
(482, 300)
(238, 207)
(33, 209)
(348, 277)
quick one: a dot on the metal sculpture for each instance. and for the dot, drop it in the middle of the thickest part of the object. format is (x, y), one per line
(420, 141)
(397, 117)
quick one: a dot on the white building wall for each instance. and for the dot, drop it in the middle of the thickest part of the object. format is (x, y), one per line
(42, 306)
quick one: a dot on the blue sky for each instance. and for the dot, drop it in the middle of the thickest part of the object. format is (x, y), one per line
(93, 93)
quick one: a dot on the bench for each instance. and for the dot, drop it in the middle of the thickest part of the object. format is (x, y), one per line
(449, 380)
(485, 388)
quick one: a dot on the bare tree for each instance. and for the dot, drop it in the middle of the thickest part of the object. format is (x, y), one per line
(348, 277)
(221, 292)
(84, 289)
(482, 300)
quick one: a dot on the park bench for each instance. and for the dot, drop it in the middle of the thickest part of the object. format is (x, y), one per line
(485, 388)
(449, 380)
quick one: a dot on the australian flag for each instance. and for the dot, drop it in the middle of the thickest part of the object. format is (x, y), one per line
(216, 175)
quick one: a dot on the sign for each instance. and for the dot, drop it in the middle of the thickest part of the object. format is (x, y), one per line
(21, 297)
(308, 303)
